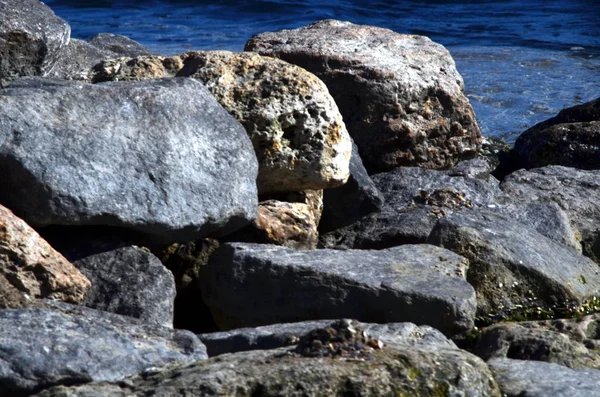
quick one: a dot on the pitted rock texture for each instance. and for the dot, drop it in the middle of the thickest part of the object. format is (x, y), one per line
(32, 39)
(66, 344)
(30, 265)
(159, 157)
(298, 133)
(256, 284)
(400, 95)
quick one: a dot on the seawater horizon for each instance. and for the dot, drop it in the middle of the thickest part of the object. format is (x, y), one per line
(521, 62)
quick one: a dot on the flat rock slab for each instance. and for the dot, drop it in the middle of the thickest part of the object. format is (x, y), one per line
(282, 335)
(32, 39)
(31, 268)
(512, 265)
(132, 282)
(391, 371)
(575, 191)
(160, 157)
(251, 285)
(518, 378)
(70, 344)
(295, 126)
(400, 95)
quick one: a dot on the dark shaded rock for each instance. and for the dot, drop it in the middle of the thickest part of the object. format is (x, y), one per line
(586, 112)
(185, 262)
(575, 191)
(159, 157)
(132, 282)
(11, 297)
(281, 335)
(71, 344)
(512, 265)
(253, 284)
(32, 39)
(347, 204)
(120, 45)
(395, 370)
(532, 340)
(517, 378)
(290, 225)
(480, 168)
(400, 95)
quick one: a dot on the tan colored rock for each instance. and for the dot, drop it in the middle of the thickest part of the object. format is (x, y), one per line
(33, 267)
(312, 198)
(295, 126)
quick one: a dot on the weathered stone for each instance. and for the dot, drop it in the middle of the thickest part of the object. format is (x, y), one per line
(290, 225)
(132, 282)
(71, 344)
(32, 38)
(421, 284)
(512, 265)
(160, 157)
(480, 168)
(185, 262)
(121, 45)
(281, 335)
(575, 191)
(31, 266)
(312, 198)
(532, 340)
(354, 200)
(398, 370)
(11, 297)
(298, 134)
(76, 60)
(400, 95)
(517, 378)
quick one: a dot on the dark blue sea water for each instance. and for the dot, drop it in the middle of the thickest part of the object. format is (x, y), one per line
(522, 61)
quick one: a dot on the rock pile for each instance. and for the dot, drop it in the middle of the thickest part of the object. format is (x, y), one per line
(148, 202)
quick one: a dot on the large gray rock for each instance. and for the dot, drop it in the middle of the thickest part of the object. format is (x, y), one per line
(132, 282)
(400, 95)
(281, 335)
(575, 191)
(71, 344)
(540, 341)
(518, 378)
(76, 60)
(32, 39)
(357, 198)
(160, 157)
(350, 368)
(513, 266)
(251, 284)
(118, 44)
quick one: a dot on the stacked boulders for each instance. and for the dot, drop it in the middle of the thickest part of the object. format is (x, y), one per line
(329, 173)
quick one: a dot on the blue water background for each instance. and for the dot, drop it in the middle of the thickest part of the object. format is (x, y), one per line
(522, 61)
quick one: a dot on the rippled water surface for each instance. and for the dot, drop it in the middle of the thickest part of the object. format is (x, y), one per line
(522, 61)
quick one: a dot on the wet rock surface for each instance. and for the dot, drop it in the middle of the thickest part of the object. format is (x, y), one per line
(132, 282)
(421, 284)
(400, 95)
(70, 344)
(136, 156)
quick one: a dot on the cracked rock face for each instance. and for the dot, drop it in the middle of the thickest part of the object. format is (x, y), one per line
(295, 126)
(400, 95)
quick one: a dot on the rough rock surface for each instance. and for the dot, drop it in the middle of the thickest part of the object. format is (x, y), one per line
(298, 134)
(400, 95)
(533, 340)
(71, 344)
(32, 38)
(30, 265)
(512, 265)
(281, 335)
(290, 225)
(575, 191)
(312, 198)
(358, 370)
(517, 378)
(185, 262)
(76, 60)
(120, 45)
(160, 157)
(354, 200)
(132, 282)
(252, 284)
